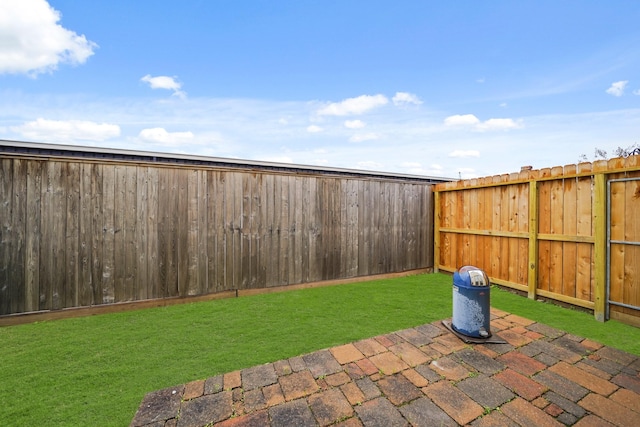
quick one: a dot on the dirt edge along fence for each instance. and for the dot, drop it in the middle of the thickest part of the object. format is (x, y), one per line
(91, 229)
(568, 233)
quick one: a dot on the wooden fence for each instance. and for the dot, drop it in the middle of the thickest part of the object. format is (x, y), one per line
(84, 232)
(546, 232)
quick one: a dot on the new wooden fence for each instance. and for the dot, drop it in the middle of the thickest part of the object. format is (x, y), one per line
(545, 232)
(86, 232)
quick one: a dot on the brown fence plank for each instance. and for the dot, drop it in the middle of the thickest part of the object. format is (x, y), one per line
(71, 235)
(109, 232)
(33, 229)
(6, 235)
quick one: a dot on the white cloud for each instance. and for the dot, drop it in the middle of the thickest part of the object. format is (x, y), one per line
(404, 98)
(32, 41)
(161, 136)
(66, 130)
(314, 129)
(354, 124)
(351, 106)
(464, 153)
(461, 120)
(165, 82)
(617, 88)
(499, 124)
(364, 137)
(488, 125)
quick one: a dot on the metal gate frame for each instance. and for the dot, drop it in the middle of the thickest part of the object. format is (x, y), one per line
(617, 242)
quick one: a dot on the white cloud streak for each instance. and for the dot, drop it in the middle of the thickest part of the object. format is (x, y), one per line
(67, 131)
(461, 120)
(32, 42)
(617, 88)
(353, 106)
(404, 98)
(354, 124)
(314, 129)
(165, 82)
(162, 137)
(469, 120)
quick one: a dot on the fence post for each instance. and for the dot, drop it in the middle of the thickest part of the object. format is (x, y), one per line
(600, 246)
(532, 279)
(436, 231)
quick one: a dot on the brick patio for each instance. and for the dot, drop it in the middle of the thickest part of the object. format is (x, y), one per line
(418, 377)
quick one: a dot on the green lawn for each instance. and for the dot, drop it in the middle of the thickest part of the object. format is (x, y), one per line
(96, 370)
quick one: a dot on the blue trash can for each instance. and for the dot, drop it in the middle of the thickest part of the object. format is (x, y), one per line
(471, 302)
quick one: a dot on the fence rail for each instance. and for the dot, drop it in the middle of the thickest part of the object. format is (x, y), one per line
(544, 232)
(83, 232)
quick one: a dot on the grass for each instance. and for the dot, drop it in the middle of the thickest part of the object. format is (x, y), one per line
(96, 370)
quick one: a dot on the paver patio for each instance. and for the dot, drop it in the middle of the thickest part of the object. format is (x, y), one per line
(418, 377)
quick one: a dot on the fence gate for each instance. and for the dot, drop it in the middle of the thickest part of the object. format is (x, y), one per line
(623, 247)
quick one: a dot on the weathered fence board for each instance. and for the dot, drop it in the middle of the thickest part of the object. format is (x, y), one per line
(86, 232)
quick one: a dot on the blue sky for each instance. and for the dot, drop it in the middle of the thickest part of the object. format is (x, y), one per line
(454, 89)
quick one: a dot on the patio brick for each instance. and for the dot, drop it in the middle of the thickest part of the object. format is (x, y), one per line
(380, 412)
(526, 414)
(388, 363)
(628, 399)
(367, 366)
(627, 381)
(610, 410)
(398, 389)
(232, 380)
(329, 406)
(369, 388)
(207, 409)
(561, 385)
(485, 391)
(369, 347)
(321, 363)
(214, 384)
(298, 385)
(449, 369)
(353, 393)
(159, 405)
(565, 404)
(409, 354)
(454, 402)
(480, 362)
(193, 389)
(522, 363)
(414, 337)
(273, 395)
(258, 376)
(294, 413)
(256, 419)
(337, 379)
(584, 378)
(346, 353)
(514, 338)
(423, 412)
(519, 384)
(415, 378)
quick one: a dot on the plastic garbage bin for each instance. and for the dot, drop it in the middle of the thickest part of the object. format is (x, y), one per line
(471, 302)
